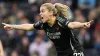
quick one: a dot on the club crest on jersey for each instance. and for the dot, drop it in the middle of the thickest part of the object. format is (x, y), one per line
(57, 28)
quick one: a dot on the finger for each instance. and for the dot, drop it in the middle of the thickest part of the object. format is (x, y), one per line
(90, 21)
(4, 23)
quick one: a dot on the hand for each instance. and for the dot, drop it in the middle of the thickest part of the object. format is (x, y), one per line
(7, 26)
(88, 24)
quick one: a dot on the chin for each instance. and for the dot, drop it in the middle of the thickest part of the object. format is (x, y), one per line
(43, 21)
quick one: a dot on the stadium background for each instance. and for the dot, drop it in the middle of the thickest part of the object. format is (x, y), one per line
(36, 43)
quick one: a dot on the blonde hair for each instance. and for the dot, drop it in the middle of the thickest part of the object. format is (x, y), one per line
(50, 7)
(59, 8)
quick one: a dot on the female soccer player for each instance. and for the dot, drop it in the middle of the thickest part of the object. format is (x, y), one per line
(54, 21)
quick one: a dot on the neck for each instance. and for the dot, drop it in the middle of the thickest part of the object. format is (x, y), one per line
(51, 21)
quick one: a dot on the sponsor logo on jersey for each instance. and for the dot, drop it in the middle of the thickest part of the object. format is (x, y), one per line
(55, 35)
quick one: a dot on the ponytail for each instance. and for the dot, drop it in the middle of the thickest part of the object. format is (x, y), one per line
(63, 10)
(59, 9)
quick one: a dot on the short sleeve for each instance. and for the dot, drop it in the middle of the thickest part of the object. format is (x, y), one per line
(38, 25)
(66, 22)
(63, 21)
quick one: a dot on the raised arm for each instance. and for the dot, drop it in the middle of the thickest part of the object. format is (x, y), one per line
(75, 25)
(20, 27)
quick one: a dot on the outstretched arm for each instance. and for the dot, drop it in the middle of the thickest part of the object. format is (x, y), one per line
(20, 27)
(75, 25)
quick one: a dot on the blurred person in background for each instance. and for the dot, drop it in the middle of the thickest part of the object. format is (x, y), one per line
(23, 47)
(41, 33)
(86, 5)
(95, 29)
(14, 53)
(87, 41)
(5, 53)
(36, 18)
(3, 10)
(39, 46)
(22, 18)
(51, 23)
(97, 37)
(92, 14)
(79, 16)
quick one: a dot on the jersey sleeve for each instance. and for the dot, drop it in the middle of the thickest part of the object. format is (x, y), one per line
(38, 25)
(63, 22)
(66, 22)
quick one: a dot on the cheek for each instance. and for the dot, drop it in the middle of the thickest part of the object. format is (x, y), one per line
(46, 18)
(46, 14)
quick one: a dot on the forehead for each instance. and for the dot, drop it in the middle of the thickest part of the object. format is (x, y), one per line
(43, 8)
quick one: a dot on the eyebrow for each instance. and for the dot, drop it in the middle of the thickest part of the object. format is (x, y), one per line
(42, 10)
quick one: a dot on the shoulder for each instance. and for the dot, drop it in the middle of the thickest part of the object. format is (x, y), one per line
(62, 21)
(38, 25)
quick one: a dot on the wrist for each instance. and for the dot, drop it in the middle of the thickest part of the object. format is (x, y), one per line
(12, 26)
(83, 25)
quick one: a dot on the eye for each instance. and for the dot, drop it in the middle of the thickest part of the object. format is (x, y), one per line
(42, 11)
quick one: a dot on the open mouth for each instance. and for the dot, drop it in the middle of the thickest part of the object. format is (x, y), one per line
(41, 17)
